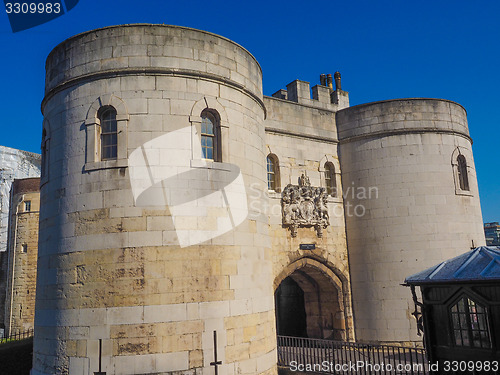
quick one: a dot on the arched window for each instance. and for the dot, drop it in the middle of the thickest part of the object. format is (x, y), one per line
(470, 324)
(109, 133)
(273, 175)
(462, 173)
(106, 134)
(210, 136)
(330, 180)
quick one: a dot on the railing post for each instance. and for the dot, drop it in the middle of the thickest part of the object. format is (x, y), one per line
(316, 351)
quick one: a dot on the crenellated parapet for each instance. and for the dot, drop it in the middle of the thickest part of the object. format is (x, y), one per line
(323, 95)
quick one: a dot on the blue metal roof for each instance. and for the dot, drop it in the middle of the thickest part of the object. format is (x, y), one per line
(480, 264)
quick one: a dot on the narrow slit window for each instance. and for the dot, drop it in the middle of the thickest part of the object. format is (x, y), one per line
(462, 173)
(273, 176)
(109, 133)
(330, 181)
(210, 137)
(27, 206)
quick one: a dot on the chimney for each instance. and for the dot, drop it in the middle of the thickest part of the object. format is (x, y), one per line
(322, 79)
(339, 97)
(338, 86)
(330, 82)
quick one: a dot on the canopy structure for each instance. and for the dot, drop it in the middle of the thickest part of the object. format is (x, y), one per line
(480, 264)
(460, 309)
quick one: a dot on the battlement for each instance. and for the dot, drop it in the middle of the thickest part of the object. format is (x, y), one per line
(323, 95)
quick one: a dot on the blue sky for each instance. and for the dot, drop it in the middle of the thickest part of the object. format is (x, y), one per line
(384, 50)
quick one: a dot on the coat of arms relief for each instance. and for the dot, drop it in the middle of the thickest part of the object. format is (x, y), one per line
(304, 206)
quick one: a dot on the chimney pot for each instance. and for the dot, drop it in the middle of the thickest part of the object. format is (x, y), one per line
(338, 86)
(329, 81)
(322, 79)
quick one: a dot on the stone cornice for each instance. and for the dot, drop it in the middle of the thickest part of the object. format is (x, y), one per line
(122, 72)
(387, 133)
(302, 135)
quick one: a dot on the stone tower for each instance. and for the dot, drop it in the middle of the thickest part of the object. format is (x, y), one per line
(149, 248)
(180, 208)
(411, 200)
(14, 164)
(22, 250)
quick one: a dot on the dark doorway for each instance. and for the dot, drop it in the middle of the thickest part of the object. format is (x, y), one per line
(290, 309)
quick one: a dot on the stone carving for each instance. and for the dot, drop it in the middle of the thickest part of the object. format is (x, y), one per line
(304, 180)
(304, 206)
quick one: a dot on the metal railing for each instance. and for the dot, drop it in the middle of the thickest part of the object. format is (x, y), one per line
(18, 335)
(337, 357)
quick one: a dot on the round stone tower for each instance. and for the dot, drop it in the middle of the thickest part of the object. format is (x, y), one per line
(151, 257)
(411, 201)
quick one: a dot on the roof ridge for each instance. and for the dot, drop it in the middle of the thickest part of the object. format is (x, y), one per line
(480, 264)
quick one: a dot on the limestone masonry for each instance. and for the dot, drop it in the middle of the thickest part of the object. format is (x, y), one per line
(22, 251)
(182, 211)
(14, 164)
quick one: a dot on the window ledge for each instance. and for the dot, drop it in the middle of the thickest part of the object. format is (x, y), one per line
(463, 192)
(210, 164)
(105, 164)
(273, 194)
(277, 195)
(331, 199)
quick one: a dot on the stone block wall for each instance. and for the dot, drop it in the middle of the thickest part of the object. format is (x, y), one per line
(22, 256)
(304, 139)
(14, 164)
(399, 156)
(323, 97)
(149, 253)
(134, 264)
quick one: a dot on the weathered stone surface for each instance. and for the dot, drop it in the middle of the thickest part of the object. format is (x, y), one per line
(22, 253)
(118, 271)
(151, 280)
(406, 149)
(14, 164)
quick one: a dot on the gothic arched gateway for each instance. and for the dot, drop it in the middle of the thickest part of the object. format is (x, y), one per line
(311, 300)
